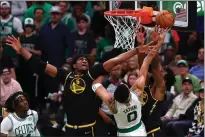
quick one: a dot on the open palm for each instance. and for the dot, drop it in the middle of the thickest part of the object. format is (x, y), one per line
(14, 43)
(154, 35)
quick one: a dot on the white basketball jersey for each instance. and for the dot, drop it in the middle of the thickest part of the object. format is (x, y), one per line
(128, 115)
(23, 127)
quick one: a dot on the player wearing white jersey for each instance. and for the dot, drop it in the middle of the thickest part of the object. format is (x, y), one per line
(126, 103)
(21, 121)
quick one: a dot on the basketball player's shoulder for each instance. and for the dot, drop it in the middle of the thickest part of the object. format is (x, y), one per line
(34, 113)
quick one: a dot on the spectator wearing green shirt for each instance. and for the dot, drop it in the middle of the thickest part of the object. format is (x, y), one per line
(39, 4)
(106, 44)
(184, 73)
(66, 16)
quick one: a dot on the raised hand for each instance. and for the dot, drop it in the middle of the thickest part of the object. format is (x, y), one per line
(162, 35)
(140, 35)
(14, 43)
(154, 35)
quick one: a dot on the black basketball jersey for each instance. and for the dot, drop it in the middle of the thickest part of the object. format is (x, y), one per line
(151, 110)
(78, 99)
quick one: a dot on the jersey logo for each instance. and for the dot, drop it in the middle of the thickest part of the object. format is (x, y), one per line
(144, 98)
(77, 85)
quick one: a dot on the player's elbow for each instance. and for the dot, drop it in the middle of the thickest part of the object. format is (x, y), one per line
(108, 65)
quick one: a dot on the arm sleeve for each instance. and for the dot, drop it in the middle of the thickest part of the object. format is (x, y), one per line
(97, 70)
(18, 25)
(6, 126)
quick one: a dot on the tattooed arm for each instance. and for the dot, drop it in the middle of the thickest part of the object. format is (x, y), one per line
(102, 93)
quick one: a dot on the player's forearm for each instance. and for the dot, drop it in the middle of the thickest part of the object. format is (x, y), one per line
(108, 65)
(25, 53)
(37, 65)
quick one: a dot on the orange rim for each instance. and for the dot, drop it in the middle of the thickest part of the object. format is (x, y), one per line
(123, 13)
(145, 14)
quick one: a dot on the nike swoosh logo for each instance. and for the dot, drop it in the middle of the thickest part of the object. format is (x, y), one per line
(87, 132)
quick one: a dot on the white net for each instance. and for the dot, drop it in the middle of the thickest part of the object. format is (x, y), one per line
(125, 28)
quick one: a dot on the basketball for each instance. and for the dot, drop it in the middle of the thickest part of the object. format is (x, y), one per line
(165, 19)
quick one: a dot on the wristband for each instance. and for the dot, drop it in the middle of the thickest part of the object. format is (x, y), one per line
(96, 86)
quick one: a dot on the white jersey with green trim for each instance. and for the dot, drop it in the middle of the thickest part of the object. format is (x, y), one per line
(128, 115)
(12, 125)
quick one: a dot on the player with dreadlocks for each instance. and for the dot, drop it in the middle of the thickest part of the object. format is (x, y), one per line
(21, 121)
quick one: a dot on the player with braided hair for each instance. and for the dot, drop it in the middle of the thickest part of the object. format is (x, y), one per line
(21, 121)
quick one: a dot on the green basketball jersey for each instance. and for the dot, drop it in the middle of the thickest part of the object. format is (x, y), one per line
(7, 29)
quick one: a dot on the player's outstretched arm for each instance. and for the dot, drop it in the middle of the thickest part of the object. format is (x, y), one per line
(140, 82)
(16, 45)
(108, 65)
(102, 93)
(159, 85)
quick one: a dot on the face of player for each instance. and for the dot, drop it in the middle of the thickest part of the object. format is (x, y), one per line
(23, 105)
(187, 88)
(55, 17)
(6, 77)
(81, 64)
(133, 62)
(116, 72)
(82, 25)
(132, 79)
(4, 11)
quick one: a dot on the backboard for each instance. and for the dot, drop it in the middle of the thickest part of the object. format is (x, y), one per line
(185, 11)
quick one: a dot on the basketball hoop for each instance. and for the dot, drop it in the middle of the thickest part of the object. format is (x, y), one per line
(126, 24)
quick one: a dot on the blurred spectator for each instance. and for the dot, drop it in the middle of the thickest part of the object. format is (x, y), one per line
(38, 19)
(132, 77)
(64, 5)
(8, 85)
(180, 104)
(9, 25)
(198, 70)
(169, 78)
(38, 4)
(189, 45)
(77, 11)
(18, 8)
(169, 55)
(184, 73)
(26, 78)
(201, 83)
(5, 61)
(54, 38)
(173, 65)
(133, 66)
(106, 44)
(83, 39)
(197, 129)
